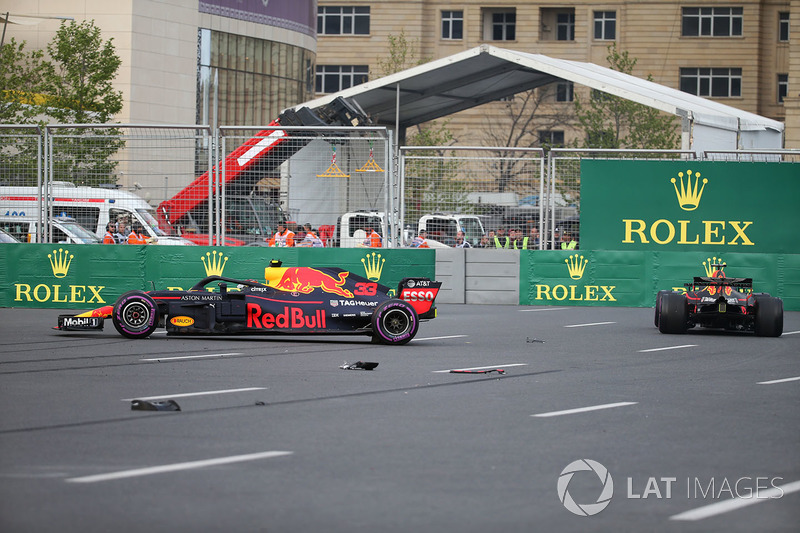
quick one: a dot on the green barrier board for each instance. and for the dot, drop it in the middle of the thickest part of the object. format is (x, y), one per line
(632, 279)
(726, 207)
(87, 276)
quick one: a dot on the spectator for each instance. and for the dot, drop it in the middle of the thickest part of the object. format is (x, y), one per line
(310, 239)
(122, 232)
(533, 238)
(421, 240)
(111, 234)
(461, 242)
(283, 237)
(567, 242)
(501, 240)
(373, 239)
(485, 242)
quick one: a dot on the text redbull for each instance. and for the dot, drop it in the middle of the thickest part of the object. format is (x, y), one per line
(291, 318)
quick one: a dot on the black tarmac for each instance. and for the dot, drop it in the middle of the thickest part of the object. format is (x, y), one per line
(597, 422)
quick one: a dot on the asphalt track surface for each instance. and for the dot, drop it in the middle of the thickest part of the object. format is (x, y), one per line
(698, 432)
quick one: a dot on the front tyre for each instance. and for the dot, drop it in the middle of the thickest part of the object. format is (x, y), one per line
(674, 313)
(135, 315)
(769, 316)
(394, 322)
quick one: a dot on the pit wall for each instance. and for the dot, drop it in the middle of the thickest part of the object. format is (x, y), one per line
(88, 276)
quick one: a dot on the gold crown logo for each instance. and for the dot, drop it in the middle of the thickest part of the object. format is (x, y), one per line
(689, 195)
(373, 266)
(214, 265)
(713, 266)
(60, 261)
(576, 265)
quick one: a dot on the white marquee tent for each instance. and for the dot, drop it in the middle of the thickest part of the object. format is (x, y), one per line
(486, 73)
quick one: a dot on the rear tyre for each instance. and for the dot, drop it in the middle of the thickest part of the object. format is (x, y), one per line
(135, 315)
(394, 322)
(769, 316)
(674, 315)
(658, 305)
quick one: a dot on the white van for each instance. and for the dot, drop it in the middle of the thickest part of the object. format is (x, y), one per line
(91, 207)
(65, 230)
(442, 227)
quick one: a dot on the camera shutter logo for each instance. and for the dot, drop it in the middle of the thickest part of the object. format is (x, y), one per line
(588, 509)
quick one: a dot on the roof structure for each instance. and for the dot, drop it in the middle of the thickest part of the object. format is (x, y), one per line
(487, 73)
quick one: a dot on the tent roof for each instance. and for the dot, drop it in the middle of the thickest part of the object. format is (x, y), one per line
(486, 73)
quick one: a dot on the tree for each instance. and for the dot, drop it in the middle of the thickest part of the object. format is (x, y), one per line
(523, 116)
(79, 83)
(402, 55)
(74, 86)
(20, 81)
(613, 122)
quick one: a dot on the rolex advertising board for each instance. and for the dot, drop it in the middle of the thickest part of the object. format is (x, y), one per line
(719, 207)
(87, 276)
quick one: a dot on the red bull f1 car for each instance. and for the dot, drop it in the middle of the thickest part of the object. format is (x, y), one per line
(719, 302)
(292, 300)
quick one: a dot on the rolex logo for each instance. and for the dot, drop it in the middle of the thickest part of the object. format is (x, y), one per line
(688, 193)
(576, 264)
(59, 262)
(373, 266)
(214, 264)
(713, 266)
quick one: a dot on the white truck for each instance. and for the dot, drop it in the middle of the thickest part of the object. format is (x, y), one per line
(91, 207)
(442, 227)
(351, 228)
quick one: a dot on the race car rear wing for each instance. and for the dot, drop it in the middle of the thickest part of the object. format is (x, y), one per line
(736, 283)
(421, 294)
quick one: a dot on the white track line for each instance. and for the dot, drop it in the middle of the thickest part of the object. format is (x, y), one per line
(737, 503)
(543, 309)
(586, 409)
(437, 338)
(187, 394)
(175, 467)
(668, 348)
(480, 367)
(167, 359)
(774, 381)
(790, 332)
(592, 324)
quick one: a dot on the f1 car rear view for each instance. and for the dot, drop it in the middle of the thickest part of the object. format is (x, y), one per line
(293, 300)
(719, 302)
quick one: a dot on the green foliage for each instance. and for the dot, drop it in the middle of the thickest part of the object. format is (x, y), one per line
(613, 122)
(73, 87)
(401, 56)
(20, 79)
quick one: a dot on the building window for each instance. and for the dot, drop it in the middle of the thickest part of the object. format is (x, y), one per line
(343, 20)
(452, 25)
(500, 24)
(783, 87)
(712, 21)
(551, 138)
(256, 78)
(605, 25)
(334, 78)
(565, 27)
(714, 82)
(565, 91)
(783, 27)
